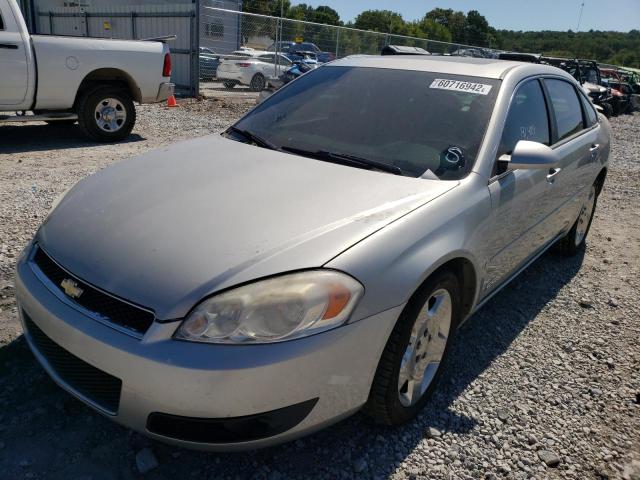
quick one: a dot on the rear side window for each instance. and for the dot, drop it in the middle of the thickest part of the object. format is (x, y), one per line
(266, 58)
(527, 118)
(566, 107)
(590, 115)
(1, 22)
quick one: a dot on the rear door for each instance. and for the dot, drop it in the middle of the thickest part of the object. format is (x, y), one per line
(575, 139)
(14, 66)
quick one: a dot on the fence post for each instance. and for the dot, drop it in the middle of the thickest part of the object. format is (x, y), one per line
(278, 45)
(133, 25)
(86, 24)
(195, 50)
(50, 22)
(337, 41)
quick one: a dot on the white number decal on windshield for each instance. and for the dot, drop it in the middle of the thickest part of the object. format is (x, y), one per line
(461, 86)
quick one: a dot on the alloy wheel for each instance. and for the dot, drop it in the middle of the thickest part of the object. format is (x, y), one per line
(426, 347)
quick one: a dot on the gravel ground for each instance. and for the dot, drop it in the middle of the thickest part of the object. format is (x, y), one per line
(544, 381)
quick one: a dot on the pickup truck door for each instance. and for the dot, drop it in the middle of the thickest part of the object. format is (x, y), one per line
(521, 207)
(13, 61)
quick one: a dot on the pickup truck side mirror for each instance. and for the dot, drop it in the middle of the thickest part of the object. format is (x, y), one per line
(529, 155)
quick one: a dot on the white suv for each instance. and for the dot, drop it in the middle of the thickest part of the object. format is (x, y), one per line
(251, 68)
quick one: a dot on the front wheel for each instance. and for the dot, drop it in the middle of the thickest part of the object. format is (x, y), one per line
(575, 240)
(410, 365)
(106, 113)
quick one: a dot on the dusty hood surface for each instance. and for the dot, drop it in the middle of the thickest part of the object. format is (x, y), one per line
(166, 229)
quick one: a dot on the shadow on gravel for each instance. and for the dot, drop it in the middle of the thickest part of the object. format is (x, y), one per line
(43, 137)
(48, 433)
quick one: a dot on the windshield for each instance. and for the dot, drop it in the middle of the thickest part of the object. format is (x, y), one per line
(419, 123)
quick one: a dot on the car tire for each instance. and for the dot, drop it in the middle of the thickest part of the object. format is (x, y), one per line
(106, 113)
(607, 110)
(575, 239)
(258, 83)
(433, 313)
(229, 84)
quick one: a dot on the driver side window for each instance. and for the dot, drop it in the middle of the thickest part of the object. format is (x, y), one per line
(527, 119)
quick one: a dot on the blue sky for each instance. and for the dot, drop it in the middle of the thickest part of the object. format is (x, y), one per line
(621, 15)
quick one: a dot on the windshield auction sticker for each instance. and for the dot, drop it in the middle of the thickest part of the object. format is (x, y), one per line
(460, 86)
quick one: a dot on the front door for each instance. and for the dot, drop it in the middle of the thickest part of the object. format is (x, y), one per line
(519, 198)
(13, 62)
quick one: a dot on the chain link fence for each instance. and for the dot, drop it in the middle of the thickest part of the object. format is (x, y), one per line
(226, 31)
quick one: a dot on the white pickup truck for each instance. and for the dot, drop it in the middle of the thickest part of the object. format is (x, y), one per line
(67, 79)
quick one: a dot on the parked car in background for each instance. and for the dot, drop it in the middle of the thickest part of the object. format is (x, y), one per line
(588, 74)
(287, 47)
(584, 71)
(240, 290)
(209, 62)
(92, 81)
(623, 95)
(252, 70)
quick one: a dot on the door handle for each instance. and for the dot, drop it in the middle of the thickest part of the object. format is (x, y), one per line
(593, 150)
(10, 46)
(551, 176)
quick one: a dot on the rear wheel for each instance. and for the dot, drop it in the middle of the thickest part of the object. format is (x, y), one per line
(607, 109)
(106, 113)
(258, 82)
(229, 84)
(577, 236)
(409, 368)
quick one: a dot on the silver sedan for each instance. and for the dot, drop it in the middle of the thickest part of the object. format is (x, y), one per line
(244, 289)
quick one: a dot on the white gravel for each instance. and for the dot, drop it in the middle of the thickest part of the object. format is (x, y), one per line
(544, 381)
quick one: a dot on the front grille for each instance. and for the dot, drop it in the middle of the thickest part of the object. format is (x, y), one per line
(104, 306)
(92, 383)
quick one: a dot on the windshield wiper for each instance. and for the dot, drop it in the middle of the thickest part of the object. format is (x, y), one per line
(252, 137)
(345, 159)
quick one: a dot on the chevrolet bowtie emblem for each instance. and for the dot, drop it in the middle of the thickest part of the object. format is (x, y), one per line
(71, 288)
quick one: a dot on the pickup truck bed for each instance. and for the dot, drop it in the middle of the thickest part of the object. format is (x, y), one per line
(92, 80)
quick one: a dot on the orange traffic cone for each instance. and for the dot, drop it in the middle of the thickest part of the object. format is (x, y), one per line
(171, 101)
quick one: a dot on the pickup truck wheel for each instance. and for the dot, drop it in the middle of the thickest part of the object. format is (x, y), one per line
(410, 365)
(575, 240)
(106, 114)
(258, 82)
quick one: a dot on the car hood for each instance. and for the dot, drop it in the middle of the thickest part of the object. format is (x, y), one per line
(174, 225)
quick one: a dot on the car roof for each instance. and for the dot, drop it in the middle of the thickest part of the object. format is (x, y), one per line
(477, 67)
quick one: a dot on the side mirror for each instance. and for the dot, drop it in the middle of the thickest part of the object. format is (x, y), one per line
(529, 155)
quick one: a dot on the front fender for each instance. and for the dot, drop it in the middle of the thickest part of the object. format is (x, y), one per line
(395, 261)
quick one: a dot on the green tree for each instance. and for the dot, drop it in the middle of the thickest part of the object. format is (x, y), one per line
(476, 29)
(454, 21)
(434, 31)
(266, 7)
(327, 15)
(384, 21)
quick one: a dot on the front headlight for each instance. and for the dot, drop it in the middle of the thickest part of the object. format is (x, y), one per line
(273, 310)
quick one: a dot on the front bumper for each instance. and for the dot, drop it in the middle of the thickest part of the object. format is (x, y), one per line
(199, 381)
